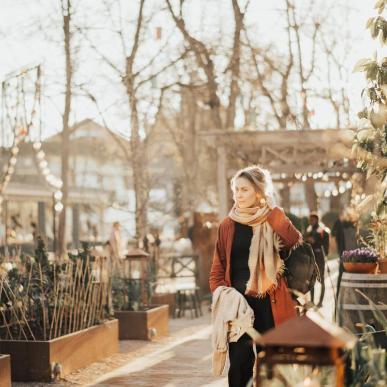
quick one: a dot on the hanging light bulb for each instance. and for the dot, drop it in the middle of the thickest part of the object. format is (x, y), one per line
(40, 155)
(13, 160)
(304, 178)
(327, 194)
(37, 145)
(46, 171)
(348, 184)
(43, 164)
(15, 150)
(58, 195)
(335, 192)
(58, 207)
(50, 179)
(342, 189)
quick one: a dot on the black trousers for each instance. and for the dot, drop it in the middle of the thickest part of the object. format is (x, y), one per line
(241, 353)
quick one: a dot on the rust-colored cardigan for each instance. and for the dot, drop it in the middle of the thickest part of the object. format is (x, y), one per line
(283, 307)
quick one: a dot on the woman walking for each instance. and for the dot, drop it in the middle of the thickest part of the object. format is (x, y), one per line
(247, 258)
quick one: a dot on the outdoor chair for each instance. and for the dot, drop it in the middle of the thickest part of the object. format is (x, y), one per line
(188, 298)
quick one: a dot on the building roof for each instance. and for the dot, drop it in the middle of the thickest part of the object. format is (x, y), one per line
(88, 135)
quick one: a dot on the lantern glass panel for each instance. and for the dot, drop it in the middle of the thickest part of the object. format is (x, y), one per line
(297, 375)
(131, 286)
(134, 269)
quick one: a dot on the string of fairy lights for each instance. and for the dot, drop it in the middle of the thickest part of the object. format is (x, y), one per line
(344, 183)
(21, 124)
(343, 179)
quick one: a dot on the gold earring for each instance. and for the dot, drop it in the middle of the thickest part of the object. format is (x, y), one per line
(262, 202)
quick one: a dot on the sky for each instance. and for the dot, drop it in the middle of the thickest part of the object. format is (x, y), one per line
(21, 45)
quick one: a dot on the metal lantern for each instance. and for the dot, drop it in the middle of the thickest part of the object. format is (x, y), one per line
(303, 351)
(135, 273)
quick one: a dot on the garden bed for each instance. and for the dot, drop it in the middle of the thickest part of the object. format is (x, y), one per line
(5, 371)
(149, 323)
(33, 360)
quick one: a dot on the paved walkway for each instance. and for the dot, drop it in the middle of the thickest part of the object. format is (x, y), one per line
(183, 359)
(186, 360)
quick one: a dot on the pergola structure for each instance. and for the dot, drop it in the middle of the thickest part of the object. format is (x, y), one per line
(290, 155)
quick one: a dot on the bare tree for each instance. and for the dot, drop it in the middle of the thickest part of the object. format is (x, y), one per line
(66, 16)
(128, 78)
(204, 60)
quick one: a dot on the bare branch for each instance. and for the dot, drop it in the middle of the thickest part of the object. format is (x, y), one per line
(156, 74)
(204, 60)
(95, 48)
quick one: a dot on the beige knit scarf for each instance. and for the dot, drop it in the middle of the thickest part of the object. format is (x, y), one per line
(264, 262)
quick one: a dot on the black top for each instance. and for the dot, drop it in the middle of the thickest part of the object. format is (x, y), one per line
(240, 274)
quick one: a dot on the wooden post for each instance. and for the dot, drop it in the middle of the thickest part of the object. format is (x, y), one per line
(75, 230)
(310, 195)
(54, 239)
(285, 197)
(42, 218)
(5, 210)
(222, 182)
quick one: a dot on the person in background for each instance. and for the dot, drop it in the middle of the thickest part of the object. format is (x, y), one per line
(157, 245)
(115, 240)
(145, 243)
(318, 236)
(247, 258)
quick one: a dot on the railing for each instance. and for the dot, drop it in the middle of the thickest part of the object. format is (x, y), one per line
(173, 270)
(176, 265)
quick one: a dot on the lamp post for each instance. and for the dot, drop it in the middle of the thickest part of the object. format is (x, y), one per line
(53, 224)
(303, 351)
(136, 274)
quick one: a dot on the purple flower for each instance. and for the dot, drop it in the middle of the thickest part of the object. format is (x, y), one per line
(362, 254)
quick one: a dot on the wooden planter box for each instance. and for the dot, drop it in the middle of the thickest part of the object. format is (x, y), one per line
(33, 360)
(165, 298)
(5, 371)
(144, 324)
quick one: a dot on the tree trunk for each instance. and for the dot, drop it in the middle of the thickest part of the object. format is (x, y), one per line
(235, 66)
(138, 164)
(66, 12)
(285, 197)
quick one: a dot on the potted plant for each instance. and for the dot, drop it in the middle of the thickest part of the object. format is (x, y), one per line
(362, 260)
